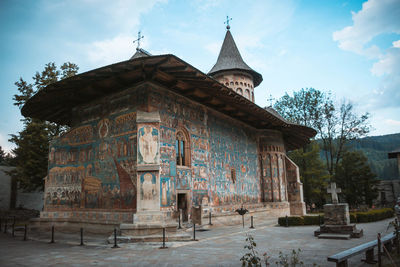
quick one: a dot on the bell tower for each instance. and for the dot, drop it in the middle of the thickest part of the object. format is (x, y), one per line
(232, 71)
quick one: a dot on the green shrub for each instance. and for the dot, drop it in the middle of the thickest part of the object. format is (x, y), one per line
(313, 220)
(353, 217)
(374, 215)
(292, 221)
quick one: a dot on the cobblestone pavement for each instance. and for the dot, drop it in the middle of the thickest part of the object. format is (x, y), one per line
(219, 246)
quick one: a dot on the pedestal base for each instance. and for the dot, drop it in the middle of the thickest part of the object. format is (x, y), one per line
(339, 230)
(148, 226)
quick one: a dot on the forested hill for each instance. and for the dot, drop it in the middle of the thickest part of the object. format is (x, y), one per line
(376, 149)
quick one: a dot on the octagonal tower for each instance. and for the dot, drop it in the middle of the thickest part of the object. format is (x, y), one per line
(233, 72)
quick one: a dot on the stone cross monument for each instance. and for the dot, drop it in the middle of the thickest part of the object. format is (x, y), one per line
(333, 190)
(337, 219)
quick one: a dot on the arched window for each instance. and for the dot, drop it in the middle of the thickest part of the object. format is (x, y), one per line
(239, 91)
(182, 148)
(247, 94)
(252, 96)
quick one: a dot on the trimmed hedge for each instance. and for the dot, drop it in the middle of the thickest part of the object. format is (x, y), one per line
(374, 215)
(355, 217)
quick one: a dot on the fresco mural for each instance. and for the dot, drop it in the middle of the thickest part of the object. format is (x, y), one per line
(148, 145)
(216, 147)
(93, 166)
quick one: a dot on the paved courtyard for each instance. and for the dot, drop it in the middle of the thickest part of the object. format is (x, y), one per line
(220, 246)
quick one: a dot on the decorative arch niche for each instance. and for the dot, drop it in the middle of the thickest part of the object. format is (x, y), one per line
(182, 147)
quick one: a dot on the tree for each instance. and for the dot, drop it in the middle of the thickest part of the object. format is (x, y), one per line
(5, 158)
(313, 174)
(2, 155)
(336, 124)
(31, 152)
(355, 178)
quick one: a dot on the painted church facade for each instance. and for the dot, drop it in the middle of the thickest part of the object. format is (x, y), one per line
(154, 135)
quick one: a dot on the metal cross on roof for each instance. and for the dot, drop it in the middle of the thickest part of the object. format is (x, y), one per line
(227, 22)
(333, 190)
(139, 36)
(270, 99)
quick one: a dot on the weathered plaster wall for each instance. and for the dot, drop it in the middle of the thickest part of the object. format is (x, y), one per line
(93, 166)
(217, 144)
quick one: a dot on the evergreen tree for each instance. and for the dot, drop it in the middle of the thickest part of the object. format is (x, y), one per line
(31, 152)
(355, 178)
(313, 174)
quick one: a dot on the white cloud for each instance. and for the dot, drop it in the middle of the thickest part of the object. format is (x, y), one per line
(110, 51)
(122, 17)
(396, 44)
(388, 64)
(376, 17)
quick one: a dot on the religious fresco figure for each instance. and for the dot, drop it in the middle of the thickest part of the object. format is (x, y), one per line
(148, 144)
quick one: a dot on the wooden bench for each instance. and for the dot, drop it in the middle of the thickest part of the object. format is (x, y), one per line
(342, 257)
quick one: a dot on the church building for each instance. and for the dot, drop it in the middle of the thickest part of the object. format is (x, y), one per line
(153, 135)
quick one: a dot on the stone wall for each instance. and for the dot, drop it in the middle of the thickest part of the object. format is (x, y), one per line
(30, 200)
(5, 188)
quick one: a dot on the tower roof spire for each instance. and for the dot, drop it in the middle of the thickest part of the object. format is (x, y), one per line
(230, 59)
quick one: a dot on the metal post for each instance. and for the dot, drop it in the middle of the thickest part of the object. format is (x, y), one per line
(194, 232)
(179, 219)
(319, 219)
(82, 237)
(13, 230)
(379, 250)
(52, 234)
(0, 224)
(251, 226)
(209, 217)
(287, 221)
(243, 220)
(25, 231)
(5, 226)
(163, 242)
(115, 239)
(397, 237)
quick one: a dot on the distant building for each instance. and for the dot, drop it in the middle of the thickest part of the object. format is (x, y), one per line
(389, 190)
(153, 134)
(11, 197)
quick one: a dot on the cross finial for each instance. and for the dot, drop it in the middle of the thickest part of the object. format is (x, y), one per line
(139, 36)
(333, 190)
(270, 99)
(227, 22)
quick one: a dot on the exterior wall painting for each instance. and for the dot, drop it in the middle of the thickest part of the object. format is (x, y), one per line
(114, 161)
(217, 145)
(93, 166)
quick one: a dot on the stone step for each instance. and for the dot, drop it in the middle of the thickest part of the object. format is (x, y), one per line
(151, 238)
(334, 236)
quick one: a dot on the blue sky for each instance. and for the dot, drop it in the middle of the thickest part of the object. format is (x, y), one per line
(350, 48)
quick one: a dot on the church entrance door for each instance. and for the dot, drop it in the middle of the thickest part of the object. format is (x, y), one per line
(182, 205)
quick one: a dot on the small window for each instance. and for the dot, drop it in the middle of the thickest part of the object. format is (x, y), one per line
(247, 93)
(182, 149)
(239, 91)
(233, 175)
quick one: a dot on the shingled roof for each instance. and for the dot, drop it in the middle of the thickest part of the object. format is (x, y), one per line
(56, 101)
(230, 59)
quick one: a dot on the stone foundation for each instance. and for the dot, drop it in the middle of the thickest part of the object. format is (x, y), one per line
(336, 214)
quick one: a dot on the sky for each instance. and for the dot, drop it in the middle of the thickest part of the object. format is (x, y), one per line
(348, 48)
